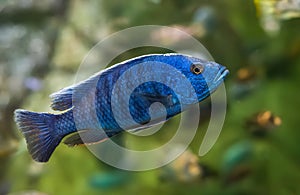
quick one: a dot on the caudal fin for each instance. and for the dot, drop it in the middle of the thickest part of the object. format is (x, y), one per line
(38, 130)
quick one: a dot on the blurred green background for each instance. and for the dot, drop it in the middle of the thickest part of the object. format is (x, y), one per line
(42, 43)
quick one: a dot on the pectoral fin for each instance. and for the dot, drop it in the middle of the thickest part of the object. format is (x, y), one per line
(164, 99)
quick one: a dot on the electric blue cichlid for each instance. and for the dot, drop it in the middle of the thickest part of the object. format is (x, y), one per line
(90, 108)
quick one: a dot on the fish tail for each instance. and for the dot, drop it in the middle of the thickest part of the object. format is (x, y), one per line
(39, 132)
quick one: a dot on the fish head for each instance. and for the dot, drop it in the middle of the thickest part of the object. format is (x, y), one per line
(205, 76)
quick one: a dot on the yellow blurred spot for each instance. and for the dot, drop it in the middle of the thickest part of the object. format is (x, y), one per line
(277, 121)
(264, 118)
(243, 73)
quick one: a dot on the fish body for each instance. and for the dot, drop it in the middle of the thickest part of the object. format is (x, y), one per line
(118, 98)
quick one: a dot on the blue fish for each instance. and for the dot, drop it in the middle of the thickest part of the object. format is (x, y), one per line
(97, 108)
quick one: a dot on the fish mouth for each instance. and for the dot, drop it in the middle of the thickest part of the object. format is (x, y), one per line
(221, 74)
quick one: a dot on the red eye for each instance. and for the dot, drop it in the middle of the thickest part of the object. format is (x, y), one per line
(197, 68)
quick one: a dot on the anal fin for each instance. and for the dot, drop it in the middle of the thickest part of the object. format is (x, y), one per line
(86, 137)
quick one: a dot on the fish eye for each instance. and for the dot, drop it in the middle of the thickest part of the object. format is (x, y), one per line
(197, 68)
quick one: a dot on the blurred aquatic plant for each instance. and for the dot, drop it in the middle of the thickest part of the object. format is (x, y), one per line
(30, 192)
(205, 18)
(272, 12)
(13, 5)
(204, 22)
(169, 36)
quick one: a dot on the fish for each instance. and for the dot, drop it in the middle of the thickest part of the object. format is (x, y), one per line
(263, 123)
(87, 108)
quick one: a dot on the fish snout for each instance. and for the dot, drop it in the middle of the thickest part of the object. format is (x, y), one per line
(222, 73)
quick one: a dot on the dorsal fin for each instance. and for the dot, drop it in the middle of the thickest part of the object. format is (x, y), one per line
(62, 100)
(66, 97)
